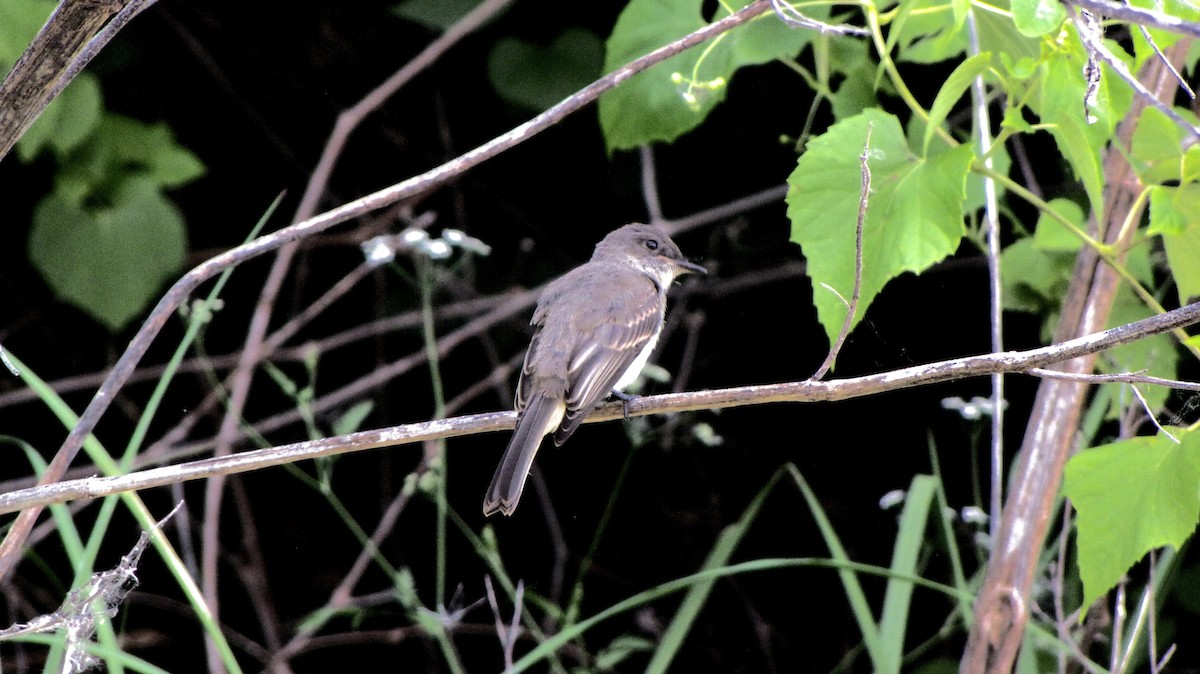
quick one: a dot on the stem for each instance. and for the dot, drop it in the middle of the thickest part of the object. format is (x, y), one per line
(435, 456)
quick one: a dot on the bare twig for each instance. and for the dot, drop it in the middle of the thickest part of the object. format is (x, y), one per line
(991, 214)
(429, 180)
(1158, 52)
(852, 306)
(30, 85)
(1097, 49)
(650, 185)
(1145, 17)
(792, 17)
(1117, 378)
(802, 391)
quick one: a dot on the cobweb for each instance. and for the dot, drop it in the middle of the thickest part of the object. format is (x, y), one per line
(84, 608)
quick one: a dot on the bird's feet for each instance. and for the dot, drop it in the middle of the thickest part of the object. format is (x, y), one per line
(625, 399)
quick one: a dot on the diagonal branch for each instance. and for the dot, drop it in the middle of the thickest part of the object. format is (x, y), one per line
(1145, 17)
(42, 69)
(420, 184)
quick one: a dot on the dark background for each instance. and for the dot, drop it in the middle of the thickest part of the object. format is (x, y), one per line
(254, 88)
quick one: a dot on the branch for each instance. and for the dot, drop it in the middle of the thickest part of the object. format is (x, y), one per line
(419, 184)
(802, 391)
(1145, 17)
(1091, 38)
(30, 85)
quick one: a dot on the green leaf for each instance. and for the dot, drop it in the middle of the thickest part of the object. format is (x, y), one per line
(1191, 164)
(855, 94)
(675, 96)
(914, 219)
(1050, 234)
(353, 418)
(110, 261)
(67, 121)
(1035, 18)
(536, 77)
(1060, 104)
(619, 650)
(1035, 280)
(999, 35)
(926, 31)
(436, 15)
(151, 147)
(20, 21)
(952, 89)
(910, 542)
(1183, 250)
(1157, 147)
(1173, 210)
(1131, 497)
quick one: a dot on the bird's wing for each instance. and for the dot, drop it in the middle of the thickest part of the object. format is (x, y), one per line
(612, 341)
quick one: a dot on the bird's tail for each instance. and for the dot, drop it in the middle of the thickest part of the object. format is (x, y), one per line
(541, 415)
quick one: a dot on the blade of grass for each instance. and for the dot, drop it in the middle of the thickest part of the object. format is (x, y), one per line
(898, 598)
(672, 639)
(854, 590)
(552, 644)
(952, 551)
(137, 507)
(85, 563)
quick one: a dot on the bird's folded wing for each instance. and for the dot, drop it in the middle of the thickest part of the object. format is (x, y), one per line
(611, 348)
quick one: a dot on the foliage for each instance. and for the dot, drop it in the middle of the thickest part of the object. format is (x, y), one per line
(107, 236)
(917, 208)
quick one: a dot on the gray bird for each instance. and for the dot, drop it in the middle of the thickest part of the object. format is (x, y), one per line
(593, 330)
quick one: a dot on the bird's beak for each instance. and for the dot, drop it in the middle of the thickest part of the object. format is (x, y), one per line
(686, 267)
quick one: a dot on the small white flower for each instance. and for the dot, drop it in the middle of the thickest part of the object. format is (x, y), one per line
(891, 499)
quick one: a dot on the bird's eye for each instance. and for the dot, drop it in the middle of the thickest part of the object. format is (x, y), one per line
(651, 244)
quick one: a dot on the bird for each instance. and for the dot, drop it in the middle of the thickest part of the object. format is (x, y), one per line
(593, 331)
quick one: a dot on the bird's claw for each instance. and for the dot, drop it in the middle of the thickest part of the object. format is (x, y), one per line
(625, 399)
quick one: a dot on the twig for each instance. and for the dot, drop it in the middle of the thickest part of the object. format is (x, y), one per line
(793, 18)
(740, 205)
(991, 210)
(852, 306)
(1145, 17)
(1183, 84)
(419, 184)
(650, 185)
(1117, 378)
(99, 42)
(1092, 42)
(27, 88)
(800, 391)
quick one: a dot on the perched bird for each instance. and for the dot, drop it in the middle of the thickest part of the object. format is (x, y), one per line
(593, 330)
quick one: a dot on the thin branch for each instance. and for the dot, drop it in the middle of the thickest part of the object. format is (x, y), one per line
(650, 185)
(802, 391)
(852, 306)
(1158, 52)
(1145, 17)
(749, 202)
(1096, 48)
(28, 88)
(99, 42)
(419, 184)
(1118, 378)
(991, 213)
(793, 18)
